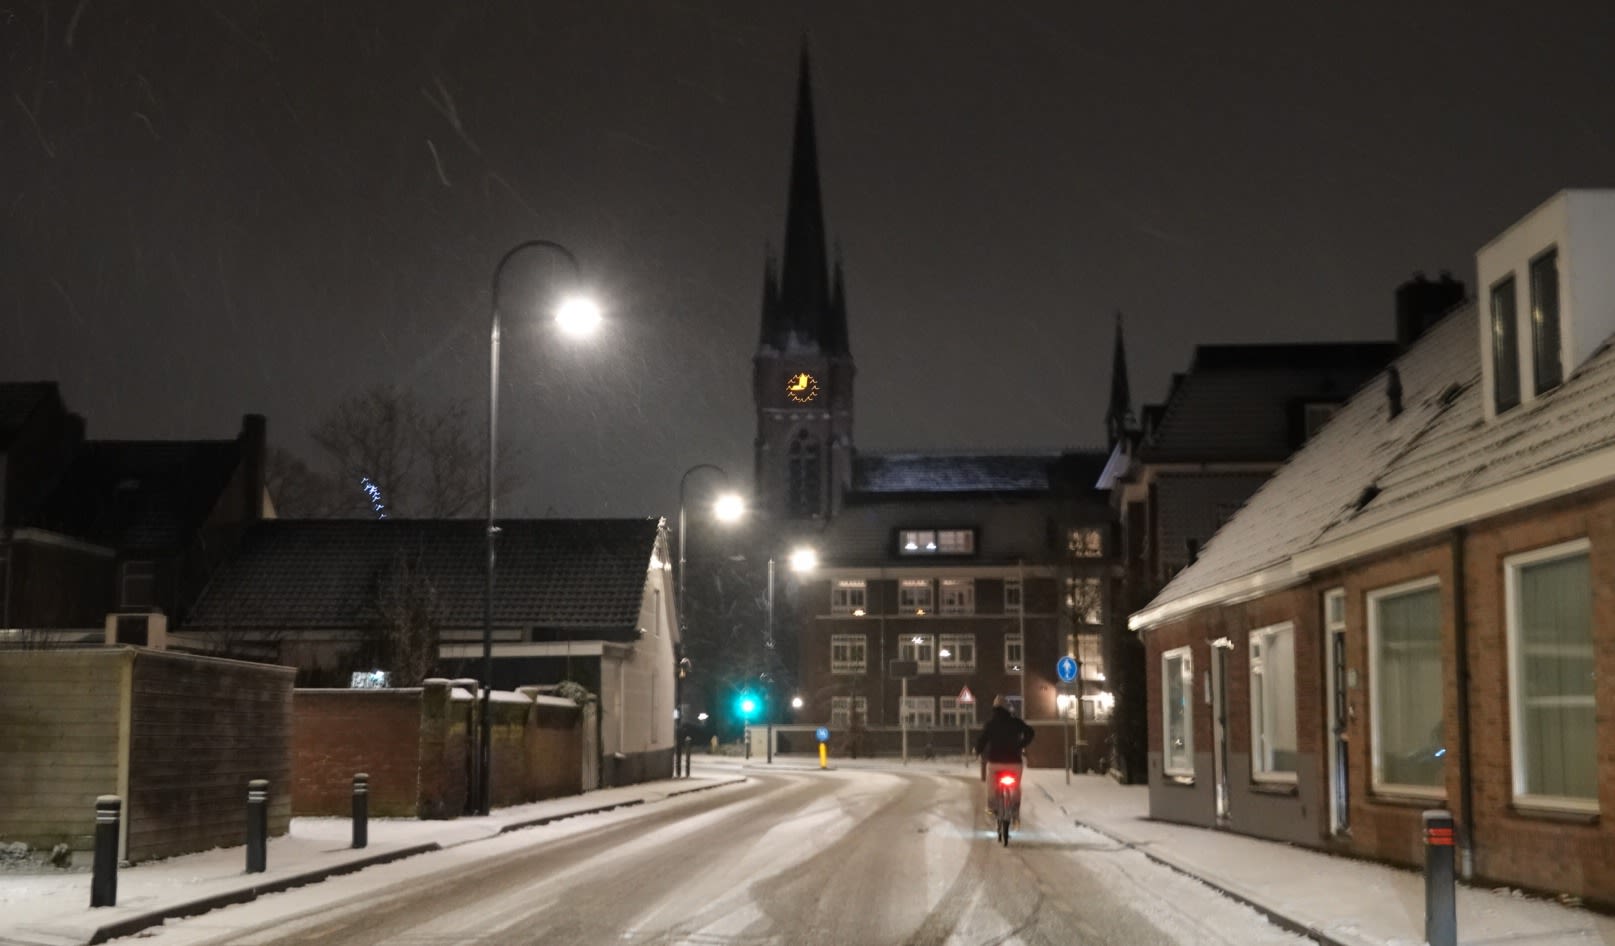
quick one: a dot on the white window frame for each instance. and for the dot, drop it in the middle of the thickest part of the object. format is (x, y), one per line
(843, 710)
(920, 712)
(951, 714)
(855, 653)
(1511, 598)
(1262, 769)
(849, 597)
(1090, 654)
(916, 542)
(956, 596)
(1185, 658)
(1014, 596)
(1372, 600)
(910, 598)
(1014, 654)
(948, 651)
(920, 648)
(956, 542)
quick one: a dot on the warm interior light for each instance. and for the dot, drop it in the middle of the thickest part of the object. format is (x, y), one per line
(857, 612)
(729, 508)
(578, 316)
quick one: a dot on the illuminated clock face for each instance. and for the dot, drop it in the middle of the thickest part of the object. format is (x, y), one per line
(802, 387)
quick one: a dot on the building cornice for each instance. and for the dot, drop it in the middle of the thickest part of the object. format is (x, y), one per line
(1265, 582)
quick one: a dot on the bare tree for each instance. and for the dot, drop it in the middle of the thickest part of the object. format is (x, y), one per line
(299, 492)
(403, 634)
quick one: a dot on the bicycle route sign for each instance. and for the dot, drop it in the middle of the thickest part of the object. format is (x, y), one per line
(1066, 669)
(822, 734)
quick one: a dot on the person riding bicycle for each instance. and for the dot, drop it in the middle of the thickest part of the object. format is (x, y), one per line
(1002, 741)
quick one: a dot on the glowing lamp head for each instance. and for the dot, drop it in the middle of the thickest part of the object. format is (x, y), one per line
(578, 316)
(796, 702)
(729, 508)
(804, 559)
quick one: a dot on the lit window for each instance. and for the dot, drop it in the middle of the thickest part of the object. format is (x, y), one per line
(1505, 347)
(848, 653)
(920, 648)
(138, 585)
(956, 542)
(1545, 322)
(956, 653)
(1084, 597)
(1177, 716)
(936, 542)
(1405, 684)
(849, 596)
(1086, 542)
(1552, 669)
(920, 712)
(1272, 707)
(914, 595)
(847, 710)
(1012, 596)
(954, 714)
(958, 596)
(1014, 654)
(1090, 657)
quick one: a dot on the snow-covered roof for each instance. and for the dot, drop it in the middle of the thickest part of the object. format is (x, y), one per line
(1369, 481)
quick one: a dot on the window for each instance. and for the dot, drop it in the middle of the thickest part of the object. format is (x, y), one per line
(846, 710)
(914, 594)
(954, 714)
(1098, 708)
(139, 585)
(1086, 542)
(802, 458)
(1551, 678)
(1505, 347)
(1545, 321)
(1272, 703)
(936, 542)
(849, 597)
(1014, 654)
(920, 648)
(1012, 596)
(1085, 599)
(1177, 712)
(956, 653)
(1090, 657)
(1405, 689)
(958, 596)
(848, 653)
(920, 712)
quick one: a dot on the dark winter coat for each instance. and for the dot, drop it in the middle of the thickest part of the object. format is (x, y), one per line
(1003, 738)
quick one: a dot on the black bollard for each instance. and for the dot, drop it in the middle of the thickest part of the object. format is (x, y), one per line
(361, 810)
(1440, 899)
(257, 825)
(104, 883)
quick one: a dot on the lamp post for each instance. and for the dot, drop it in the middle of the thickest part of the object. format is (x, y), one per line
(576, 316)
(727, 508)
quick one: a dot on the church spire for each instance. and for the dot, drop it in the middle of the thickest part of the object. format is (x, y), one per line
(804, 289)
(1119, 415)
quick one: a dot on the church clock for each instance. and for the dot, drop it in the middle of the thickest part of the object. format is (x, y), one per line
(802, 388)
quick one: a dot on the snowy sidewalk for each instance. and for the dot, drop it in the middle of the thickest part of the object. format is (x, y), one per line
(1337, 900)
(51, 908)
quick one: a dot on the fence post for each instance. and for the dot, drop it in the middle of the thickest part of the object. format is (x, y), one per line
(361, 810)
(257, 825)
(104, 883)
(1440, 901)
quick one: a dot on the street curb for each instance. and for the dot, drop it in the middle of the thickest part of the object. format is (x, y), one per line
(135, 924)
(1282, 920)
(548, 819)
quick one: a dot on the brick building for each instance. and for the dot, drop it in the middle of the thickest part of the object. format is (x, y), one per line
(1412, 612)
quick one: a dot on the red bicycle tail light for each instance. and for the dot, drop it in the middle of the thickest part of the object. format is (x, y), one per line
(1007, 780)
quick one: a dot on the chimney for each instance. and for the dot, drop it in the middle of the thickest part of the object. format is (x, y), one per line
(254, 441)
(1421, 302)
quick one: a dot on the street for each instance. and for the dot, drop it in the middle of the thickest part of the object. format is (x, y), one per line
(860, 855)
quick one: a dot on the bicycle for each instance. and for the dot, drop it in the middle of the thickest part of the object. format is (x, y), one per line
(1005, 793)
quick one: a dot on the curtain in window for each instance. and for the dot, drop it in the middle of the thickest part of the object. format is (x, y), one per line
(1554, 679)
(1176, 750)
(1274, 703)
(1408, 689)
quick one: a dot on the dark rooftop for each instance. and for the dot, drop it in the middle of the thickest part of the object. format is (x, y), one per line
(139, 495)
(960, 473)
(18, 401)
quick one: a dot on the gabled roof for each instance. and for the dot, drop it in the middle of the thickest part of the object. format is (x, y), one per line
(568, 578)
(973, 473)
(18, 401)
(1369, 481)
(1237, 403)
(139, 495)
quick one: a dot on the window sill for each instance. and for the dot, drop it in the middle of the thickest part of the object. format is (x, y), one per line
(1275, 787)
(1525, 809)
(1183, 781)
(1409, 799)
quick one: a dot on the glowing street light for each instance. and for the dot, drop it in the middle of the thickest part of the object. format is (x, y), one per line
(796, 702)
(729, 508)
(578, 316)
(804, 559)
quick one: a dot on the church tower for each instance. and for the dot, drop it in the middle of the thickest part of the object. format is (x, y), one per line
(1119, 414)
(802, 373)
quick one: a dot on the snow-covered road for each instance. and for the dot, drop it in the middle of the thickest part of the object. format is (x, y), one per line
(853, 856)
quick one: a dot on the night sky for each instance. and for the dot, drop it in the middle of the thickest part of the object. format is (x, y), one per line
(214, 208)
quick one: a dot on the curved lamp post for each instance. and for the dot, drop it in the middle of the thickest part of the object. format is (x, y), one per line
(576, 316)
(727, 508)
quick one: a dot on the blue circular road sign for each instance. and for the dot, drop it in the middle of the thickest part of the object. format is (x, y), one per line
(1066, 669)
(822, 734)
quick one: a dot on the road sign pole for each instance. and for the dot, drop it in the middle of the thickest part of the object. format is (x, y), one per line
(1065, 731)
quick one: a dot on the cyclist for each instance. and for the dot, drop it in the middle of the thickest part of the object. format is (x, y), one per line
(1003, 739)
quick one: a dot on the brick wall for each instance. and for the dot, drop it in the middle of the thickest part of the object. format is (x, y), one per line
(201, 728)
(337, 733)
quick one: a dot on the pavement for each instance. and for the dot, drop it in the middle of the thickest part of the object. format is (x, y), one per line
(52, 909)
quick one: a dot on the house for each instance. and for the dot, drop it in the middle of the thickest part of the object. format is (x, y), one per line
(1412, 613)
(580, 600)
(112, 538)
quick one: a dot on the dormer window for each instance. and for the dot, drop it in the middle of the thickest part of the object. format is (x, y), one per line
(1505, 347)
(1545, 321)
(936, 542)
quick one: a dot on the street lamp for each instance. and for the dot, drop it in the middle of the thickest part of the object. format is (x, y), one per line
(576, 316)
(728, 508)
